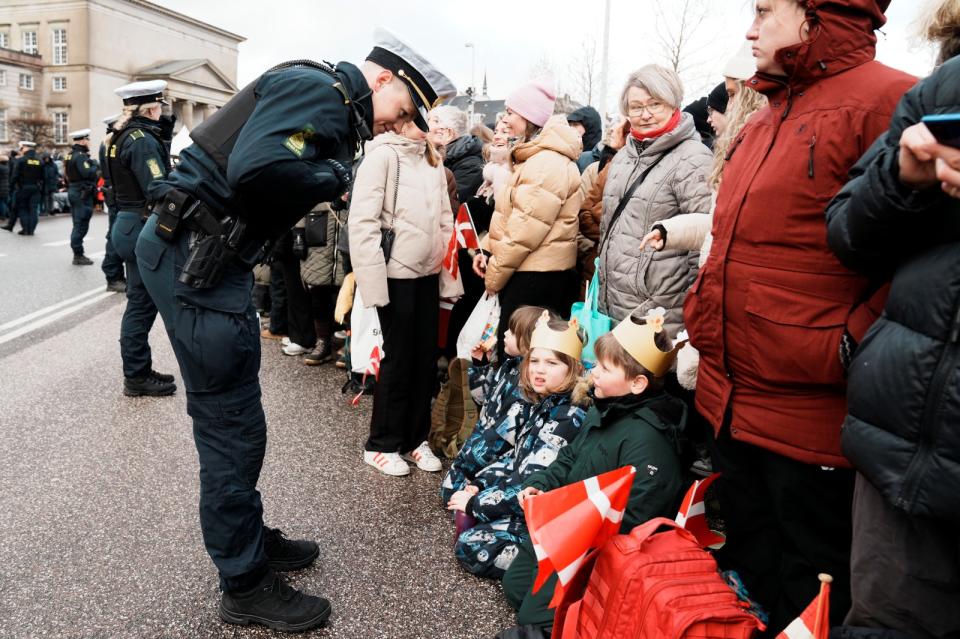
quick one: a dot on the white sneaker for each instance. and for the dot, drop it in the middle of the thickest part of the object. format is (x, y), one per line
(294, 349)
(387, 463)
(285, 341)
(424, 458)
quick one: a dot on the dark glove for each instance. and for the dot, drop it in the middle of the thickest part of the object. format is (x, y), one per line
(343, 174)
(848, 346)
(167, 122)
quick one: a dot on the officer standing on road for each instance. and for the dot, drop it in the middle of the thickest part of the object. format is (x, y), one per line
(27, 178)
(112, 265)
(262, 162)
(135, 157)
(81, 174)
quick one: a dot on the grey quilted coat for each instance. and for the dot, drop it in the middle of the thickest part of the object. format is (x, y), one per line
(324, 264)
(634, 280)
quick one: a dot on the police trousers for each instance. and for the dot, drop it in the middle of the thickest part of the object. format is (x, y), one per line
(215, 335)
(141, 312)
(28, 203)
(81, 209)
(112, 265)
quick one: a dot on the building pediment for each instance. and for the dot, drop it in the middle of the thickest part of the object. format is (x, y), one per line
(197, 79)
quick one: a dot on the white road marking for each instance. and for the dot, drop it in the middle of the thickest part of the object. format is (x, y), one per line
(49, 319)
(57, 243)
(53, 307)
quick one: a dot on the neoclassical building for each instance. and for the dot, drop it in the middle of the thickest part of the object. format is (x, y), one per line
(62, 59)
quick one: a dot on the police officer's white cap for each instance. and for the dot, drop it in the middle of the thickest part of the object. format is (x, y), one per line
(79, 135)
(428, 87)
(143, 92)
(27, 143)
(110, 119)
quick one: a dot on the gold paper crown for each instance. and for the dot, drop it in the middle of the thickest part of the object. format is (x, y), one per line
(640, 341)
(566, 341)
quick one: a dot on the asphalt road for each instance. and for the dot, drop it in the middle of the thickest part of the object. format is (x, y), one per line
(99, 534)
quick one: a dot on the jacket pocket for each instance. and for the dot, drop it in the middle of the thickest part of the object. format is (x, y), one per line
(794, 335)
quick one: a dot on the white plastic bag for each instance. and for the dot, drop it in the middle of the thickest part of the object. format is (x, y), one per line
(366, 340)
(481, 324)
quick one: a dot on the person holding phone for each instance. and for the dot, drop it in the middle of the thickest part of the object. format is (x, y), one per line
(900, 431)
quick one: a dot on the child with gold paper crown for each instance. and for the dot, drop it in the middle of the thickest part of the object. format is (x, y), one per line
(549, 372)
(633, 422)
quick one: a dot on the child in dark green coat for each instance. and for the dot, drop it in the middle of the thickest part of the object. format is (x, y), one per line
(633, 422)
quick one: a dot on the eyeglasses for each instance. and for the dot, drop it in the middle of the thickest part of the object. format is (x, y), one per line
(654, 109)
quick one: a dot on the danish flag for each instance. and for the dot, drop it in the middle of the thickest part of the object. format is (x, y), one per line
(373, 368)
(814, 622)
(464, 236)
(693, 513)
(567, 523)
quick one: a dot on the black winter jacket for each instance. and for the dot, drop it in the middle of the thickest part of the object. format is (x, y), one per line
(903, 428)
(4, 179)
(465, 158)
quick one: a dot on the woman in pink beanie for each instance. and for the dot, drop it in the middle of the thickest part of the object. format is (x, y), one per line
(528, 258)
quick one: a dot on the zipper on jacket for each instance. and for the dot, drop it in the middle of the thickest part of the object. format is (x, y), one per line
(813, 144)
(928, 422)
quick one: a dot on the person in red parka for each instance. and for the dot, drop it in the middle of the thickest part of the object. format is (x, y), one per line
(773, 312)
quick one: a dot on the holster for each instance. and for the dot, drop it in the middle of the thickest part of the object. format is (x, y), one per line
(171, 211)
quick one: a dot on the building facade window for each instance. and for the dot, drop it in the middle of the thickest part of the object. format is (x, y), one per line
(59, 83)
(30, 42)
(59, 46)
(4, 39)
(60, 125)
(4, 135)
(26, 81)
(3, 77)
(26, 115)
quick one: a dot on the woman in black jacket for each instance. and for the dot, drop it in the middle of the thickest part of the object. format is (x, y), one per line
(898, 219)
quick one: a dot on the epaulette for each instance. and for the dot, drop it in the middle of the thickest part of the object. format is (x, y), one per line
(136, 134)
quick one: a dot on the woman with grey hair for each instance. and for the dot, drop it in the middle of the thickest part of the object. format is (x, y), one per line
(660, 172)
(462, 153)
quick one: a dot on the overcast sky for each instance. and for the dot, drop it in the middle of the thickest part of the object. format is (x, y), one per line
(512, 38)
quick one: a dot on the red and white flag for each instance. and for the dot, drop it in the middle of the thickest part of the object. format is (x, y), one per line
(464, 236)
(693, 513)
(567, 523)
(814, 622)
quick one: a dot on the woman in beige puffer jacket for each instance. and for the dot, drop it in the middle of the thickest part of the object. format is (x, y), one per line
(401, 184)
(532, 243)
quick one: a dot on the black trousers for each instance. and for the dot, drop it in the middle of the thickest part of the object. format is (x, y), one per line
(555, 290)
(299, 315)
(401, 401)
(323, 303)
(786, 522)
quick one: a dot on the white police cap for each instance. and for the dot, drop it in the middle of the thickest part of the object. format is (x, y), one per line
(143, 92)
(428, 87)
(110, 119)
(26, 143)
(79, 135)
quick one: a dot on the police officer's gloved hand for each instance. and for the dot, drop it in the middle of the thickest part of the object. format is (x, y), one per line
(343, 174)
(167, 122)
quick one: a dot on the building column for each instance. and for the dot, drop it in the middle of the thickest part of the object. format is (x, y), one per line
(187, 114)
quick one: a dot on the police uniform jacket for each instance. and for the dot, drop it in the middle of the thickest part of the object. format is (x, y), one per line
(142, 158)
(276, 171)
(81, 171)
(27, 171)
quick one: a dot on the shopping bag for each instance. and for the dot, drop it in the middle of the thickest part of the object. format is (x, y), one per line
(590, 319)
(366, 340)
(481, 325)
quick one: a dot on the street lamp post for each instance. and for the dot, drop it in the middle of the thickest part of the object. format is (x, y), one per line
(472, 91)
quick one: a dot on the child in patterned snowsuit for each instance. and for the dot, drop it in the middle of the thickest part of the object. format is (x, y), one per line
(488, 548)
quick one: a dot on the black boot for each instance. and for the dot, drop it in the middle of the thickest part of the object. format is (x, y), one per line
(161, 377)
(288, 554)
(276, 605)
(117, 286)
(81, 260)
(147, 386)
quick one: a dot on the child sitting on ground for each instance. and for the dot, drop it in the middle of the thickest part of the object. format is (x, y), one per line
(633, 422)
(548, 375)
(503, 408)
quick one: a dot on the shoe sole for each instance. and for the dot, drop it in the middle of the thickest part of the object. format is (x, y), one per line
(385, 472)
(131, 393)
(246, 620)
(413, 461)
(288, 566)
(316, 362)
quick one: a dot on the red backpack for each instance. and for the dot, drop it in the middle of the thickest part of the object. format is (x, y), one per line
(652, 585)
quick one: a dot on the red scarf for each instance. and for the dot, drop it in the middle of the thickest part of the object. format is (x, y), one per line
(666, 128)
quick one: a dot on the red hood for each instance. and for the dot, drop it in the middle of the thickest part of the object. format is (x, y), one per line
(841, 37)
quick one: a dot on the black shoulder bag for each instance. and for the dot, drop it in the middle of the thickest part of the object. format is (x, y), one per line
(626, 199)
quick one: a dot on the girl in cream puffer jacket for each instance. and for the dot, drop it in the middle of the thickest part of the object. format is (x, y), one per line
(401, 184)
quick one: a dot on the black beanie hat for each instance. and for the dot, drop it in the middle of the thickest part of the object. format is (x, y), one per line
(717, 100)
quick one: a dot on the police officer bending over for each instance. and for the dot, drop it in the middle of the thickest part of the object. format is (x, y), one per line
(81, 174)
(262, 162)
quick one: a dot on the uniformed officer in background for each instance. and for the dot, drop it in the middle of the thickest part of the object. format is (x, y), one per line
(26, 176)
(81, 174)
(135, 157)
(112, 265)
(262, 162)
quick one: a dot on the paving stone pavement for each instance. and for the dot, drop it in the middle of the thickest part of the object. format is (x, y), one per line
(98, 506)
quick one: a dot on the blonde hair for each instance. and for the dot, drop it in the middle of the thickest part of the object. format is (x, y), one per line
(129, 112)
(940, 25)
(744, 104)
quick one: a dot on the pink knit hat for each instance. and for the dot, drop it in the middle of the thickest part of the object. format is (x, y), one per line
(534, 101)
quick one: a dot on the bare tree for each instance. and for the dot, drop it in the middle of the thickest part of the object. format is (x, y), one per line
(584, 72)
(543, 68)
(36, 129)
(677, 25)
